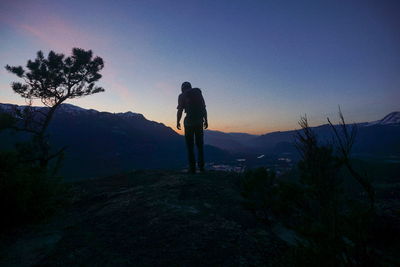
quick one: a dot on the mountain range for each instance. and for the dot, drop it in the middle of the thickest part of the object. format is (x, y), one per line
(104, 143)
(377, 138)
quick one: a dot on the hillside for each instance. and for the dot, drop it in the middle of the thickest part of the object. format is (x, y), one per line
(151, 218)
(103, 143)
(237, 142)
(378, 138)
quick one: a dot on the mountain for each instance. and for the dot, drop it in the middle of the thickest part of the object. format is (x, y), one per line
(103, 143)
(379, 138)
(228, 141)
(391, 118)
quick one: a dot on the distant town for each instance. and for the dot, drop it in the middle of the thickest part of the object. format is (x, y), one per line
(277, 163)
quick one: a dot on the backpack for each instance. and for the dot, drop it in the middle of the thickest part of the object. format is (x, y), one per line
(194, 104)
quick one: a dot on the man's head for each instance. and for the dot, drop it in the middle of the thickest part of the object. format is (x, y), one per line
(186, 86)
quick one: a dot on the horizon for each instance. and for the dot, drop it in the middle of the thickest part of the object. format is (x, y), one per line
(260, 66)
(214, 130)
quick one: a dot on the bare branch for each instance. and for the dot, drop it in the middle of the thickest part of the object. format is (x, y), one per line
(345, 143)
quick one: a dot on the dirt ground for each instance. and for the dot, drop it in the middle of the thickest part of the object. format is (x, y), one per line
(148, 218)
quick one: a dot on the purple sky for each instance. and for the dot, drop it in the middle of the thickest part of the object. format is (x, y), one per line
(260, 64)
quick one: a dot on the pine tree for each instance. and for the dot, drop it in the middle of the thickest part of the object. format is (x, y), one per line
(53, 80)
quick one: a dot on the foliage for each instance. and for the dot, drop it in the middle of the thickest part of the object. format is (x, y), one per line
(332, 227)
(30, 189)
(28, 193)
(57, 78)
(53, 80)
(259, 191)
(345, 139)
(6, 121)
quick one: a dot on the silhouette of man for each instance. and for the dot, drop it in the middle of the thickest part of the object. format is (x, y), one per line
(191, 100)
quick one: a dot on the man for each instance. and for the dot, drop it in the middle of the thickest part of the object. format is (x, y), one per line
(191, 100)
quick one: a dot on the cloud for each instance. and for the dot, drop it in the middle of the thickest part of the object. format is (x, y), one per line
(40, 23)
(58, 35)
(167, 88)
(61, 35)
(113, 83)
(122, 90)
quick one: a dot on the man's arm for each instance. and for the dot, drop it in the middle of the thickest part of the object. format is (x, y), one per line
(205, 119)
(205, 122)
(180, 108)
(178, 118)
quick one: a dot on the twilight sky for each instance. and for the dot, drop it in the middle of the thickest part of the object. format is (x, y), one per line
(260, 64)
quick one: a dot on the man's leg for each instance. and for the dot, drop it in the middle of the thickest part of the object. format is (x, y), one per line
(189, 137)
(200, 144)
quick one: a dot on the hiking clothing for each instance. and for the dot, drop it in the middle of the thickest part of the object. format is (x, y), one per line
(192, 102)
(194, 134)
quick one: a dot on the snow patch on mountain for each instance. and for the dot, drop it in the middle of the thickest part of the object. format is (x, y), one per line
(71, 108)
(130, 114)
(391, 118)
(66, 108)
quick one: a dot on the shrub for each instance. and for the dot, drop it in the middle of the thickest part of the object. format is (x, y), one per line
(29, 187)
(332, 227)
(27, 192)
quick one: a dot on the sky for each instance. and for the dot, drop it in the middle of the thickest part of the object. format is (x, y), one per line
(260, 64)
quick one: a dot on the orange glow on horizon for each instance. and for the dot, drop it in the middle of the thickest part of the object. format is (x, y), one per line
(234, 129)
